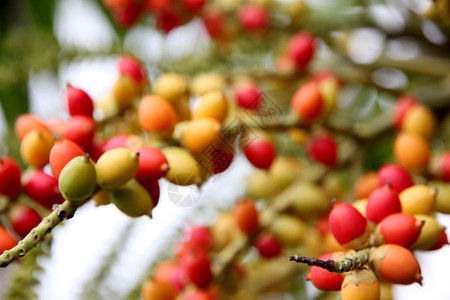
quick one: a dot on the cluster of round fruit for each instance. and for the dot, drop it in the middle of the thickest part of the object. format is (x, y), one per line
(219, 17)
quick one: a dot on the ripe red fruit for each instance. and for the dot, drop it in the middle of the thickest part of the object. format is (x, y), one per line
(403, 104)
(198, 267)
(253, 17)
(348, 225)
(323, 279)
(260, 153)
(130, 66)
(27, 122)
(168, 20)
(323, 149)
(152, 187)
(7, 241)
(127, 15)
(301, 48)
(444, 166)
(199, 295)
(399, 228)
(214, 21)
(246, 216)
(61, 153)
(221, 159)
(10, 177)
(200, 236)
(152, 164)
(248, 96)
(43, 188)
(80, 129)
(398, 177)
(157, 6)
(307, 102)
(267, 245)
(23, 219)
(441, 242)
(78, 102)
(382, 202)
(171, 272)
(193, 5)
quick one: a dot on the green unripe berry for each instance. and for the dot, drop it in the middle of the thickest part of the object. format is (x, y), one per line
(132, 199)
(77, 180)
(116, 167)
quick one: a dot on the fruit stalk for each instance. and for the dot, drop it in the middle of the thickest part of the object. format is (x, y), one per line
(64, 211)
(344, 264)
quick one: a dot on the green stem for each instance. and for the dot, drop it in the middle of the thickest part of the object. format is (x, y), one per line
(344, 264)
(64, 211)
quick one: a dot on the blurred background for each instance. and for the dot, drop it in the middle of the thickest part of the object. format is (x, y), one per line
(383, 48)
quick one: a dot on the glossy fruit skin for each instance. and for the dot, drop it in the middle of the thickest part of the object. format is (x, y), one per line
(307, 102)
(171, 86)
(324, 149)
(81, 130)
(199, 134)
(152, 164)
(397, 176)
(171, 272)
(43, 188)
(193, 5)
(200, 236)
(214, 21)
(260, 153)
(430, 233)
(132, 199)
(77, 180)
(253, 18)
(395, 264)
(348, 225)
(61, 153)
(411, 160)
(157, 290)
(78, 102)
(323, 279)
(130, 66)
(441, 242)
(35, 148)
(399, 228)
(420, 119)
(6, 240)
(27, 122)
(403, 104)
(125, 91)
(246, 216)
(116, 167)
(157, 114)
(10, 177)
(382, 202)
(199, 295)
(152, 187)
(248, 96)
(301, 48)
(212, 104)
(168, 20)
(444, 166)
(184, 169)
(208, 82)
(360, 284)
(418, 199)
(267, 245)
(23, 219)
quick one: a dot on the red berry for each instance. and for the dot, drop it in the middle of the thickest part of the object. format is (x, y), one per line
(382, 202)
(444, 166)
(200, 236)
(214, 21)
(171, 272)
(323, 148)
(248, 96)
(347, 224)
(198, 295)
(130, 66)
(61, 153)
(398, 177)
(152, 164)
(198, 267)
(43, 189)
(246, 216)
(260, 153)
(301, 48)
(127, 15)
(157, 6)
(400, 229)
(10, 177)
(80, 129)
(323, 279)
(152, 187)
(221, 159)
(403, 104)
(267, 245)
(441, 242)
(193, 5)
(307, 102)
(253, 17)
(168, 20)
(78, 102)
(23, 219)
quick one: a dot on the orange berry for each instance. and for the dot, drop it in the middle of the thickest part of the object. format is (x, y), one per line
(411, 150)
(156, 114)
(35, 147)
(27, 122)
(212, 104)
(419, 119)
(200, 133)
(157, 290)
(365, 185)
(360, 284)
(307, 101)
(171, 86)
